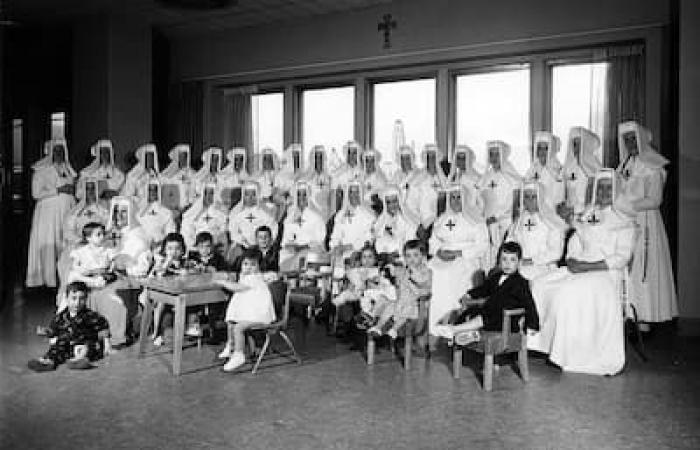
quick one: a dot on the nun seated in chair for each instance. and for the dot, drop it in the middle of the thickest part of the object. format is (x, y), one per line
(580, 305)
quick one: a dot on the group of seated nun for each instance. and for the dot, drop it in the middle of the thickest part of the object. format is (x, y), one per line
(582, 227)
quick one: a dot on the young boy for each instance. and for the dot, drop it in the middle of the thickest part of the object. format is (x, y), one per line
(504, 288)
(74, 334)
(251, 303)
(205, 258)
(413, 283)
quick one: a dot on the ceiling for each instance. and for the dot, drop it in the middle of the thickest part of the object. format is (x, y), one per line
(242, 13)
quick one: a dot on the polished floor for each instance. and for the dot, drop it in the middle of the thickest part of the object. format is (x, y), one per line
(333, 400)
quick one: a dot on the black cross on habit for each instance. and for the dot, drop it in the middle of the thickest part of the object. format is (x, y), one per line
(300, 220)
(493, 184)
(572, 177)
(321, 183)
(593, 220)
(385, 26)
(529, 224)
(450, 224)
(537, 176)
(250, 217)
(349, 215)
(207, 218)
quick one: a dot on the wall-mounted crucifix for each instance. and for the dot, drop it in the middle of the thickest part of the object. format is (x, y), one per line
(385, 26)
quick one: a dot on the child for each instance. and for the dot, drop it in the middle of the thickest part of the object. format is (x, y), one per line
(169, 261)
(92, 262)
(356, 277)
(205, 259)
(74, 334)
(251, 303)
(413, 283)
(504, 288)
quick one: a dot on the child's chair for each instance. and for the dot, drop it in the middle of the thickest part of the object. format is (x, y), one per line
(411, 328)
(492, 343)
(277, 328)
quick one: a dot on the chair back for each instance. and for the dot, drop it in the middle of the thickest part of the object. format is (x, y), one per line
(508, 315)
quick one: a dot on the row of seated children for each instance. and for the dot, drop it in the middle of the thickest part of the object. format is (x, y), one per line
(391, 296)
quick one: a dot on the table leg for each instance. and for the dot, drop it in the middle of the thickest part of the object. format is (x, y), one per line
(146, 319)
(178, 334)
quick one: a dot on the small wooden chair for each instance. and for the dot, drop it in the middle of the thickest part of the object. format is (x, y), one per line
(407, 333)
(277, 328)
(494, 343)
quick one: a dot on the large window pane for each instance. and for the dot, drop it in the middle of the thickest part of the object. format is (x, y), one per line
(268, 121)
(328, 117)
(495, 106)
(412, 102)
(578, 99)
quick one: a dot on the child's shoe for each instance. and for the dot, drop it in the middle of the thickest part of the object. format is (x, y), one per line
(158, 341)
(226, 352)
(236, 361)
(79, 364)
(392, 333)
(467, 337)
(41, 365)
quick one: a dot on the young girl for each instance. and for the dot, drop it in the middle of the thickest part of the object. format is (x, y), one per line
(169, 261)
(92, 262)
(366, 286)
(251, 303)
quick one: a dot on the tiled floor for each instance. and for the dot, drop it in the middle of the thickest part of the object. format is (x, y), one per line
(334, 400)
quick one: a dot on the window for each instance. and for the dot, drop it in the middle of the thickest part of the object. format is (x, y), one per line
(412, 102)
(494, 106)
(328, 117)
(578, 99)
(268, 121)
(58, 125)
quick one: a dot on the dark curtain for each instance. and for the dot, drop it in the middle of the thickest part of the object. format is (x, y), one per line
(186, 113)
(238, 123)
(625, 93)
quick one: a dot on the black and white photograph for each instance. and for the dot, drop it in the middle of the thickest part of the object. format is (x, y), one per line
(349, 224)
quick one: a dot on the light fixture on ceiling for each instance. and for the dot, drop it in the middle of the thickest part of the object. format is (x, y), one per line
(197, 5)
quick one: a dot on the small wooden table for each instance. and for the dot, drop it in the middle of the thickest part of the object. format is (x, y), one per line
(180, 292)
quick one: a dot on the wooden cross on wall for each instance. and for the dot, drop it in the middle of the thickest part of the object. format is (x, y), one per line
(385, 26)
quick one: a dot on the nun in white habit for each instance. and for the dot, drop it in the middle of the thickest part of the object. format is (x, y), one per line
(233, 177)
(426, 186)
(178, 179)
(580, 164)
(103, 169)
(546, 168)
(352, 227)
(406, 162)
(304, 228)
(319, 180)
(145, 169)
(156, 220)
(205, 215)
(580, 306)
(643, 176)
(53, 190)
(497, 186)
(539, 231)
(462, 172)
(395, 225)
(459, 244)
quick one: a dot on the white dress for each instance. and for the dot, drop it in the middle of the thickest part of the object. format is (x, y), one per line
(252, 305)
(652, 287)
(581, 324)
(46, 236)
(452, 279)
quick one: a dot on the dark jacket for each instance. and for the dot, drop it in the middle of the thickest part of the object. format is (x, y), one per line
(270, 261)
(513, 293)
(215, 261)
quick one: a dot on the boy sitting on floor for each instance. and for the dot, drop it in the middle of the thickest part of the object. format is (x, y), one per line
(413, 283)
(74, 334)
(504, 288)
